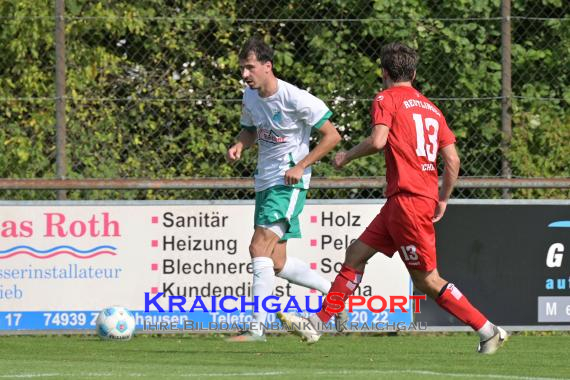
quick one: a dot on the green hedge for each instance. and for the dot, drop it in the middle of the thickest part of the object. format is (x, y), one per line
(153, 87)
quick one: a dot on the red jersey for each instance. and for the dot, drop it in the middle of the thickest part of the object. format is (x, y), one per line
(417, 130)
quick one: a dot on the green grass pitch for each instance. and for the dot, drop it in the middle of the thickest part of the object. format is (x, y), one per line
(404, 356)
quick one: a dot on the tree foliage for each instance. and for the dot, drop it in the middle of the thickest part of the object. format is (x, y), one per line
(153, 87)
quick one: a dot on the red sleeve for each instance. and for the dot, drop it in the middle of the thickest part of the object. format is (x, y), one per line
(446, 137)
(383, 110)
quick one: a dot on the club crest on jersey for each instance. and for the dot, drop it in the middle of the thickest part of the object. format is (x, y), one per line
(277, 116)
(270, 136)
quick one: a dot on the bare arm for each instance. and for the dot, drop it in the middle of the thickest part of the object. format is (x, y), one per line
(450, 172)
(245, 139)
(370, 145)
(329, 139)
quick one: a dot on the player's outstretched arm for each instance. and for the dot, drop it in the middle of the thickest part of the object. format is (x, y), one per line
(244, 140)
(329, 139)
(450, 172)
(370, 145)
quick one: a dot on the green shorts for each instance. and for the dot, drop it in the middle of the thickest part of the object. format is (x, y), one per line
(280, 203)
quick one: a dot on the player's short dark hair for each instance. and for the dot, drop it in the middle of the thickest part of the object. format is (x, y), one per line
(400, 61)
(255, 45)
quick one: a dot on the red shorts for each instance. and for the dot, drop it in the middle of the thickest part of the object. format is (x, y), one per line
(405, 225)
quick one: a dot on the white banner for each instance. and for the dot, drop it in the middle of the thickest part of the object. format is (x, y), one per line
(69, 260)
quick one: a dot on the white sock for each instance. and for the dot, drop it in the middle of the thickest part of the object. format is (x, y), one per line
(298, 272)
(263, 283)
(487, 331)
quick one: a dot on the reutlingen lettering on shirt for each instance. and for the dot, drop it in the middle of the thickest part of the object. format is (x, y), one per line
(418, 103)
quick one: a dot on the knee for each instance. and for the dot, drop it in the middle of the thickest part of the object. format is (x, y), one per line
(257, 250)
(423, 286)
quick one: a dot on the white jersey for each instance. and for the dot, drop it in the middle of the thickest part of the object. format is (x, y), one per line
(283, 122)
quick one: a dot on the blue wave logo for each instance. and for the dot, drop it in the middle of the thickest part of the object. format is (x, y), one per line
(59, 250)
(560, 224)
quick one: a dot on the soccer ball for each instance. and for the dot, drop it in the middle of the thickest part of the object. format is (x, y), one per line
(115, 322)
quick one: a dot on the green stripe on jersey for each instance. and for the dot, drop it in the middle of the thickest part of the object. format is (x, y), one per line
(250, 128)
(323, 119)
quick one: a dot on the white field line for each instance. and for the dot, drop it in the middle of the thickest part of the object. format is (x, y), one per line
(281, 373)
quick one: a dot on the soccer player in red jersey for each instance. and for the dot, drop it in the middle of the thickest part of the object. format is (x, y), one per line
(412, 131)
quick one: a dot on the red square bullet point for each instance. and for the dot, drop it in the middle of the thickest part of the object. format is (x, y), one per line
(313, 242)
(154, 243)
(154, 290)
(154, 266)
(154, 220)
(313, 219)
(313, 265)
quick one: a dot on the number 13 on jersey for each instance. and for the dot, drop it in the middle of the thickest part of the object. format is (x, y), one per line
(427, 127)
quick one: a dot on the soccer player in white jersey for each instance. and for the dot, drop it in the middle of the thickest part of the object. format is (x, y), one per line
(280, 117)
